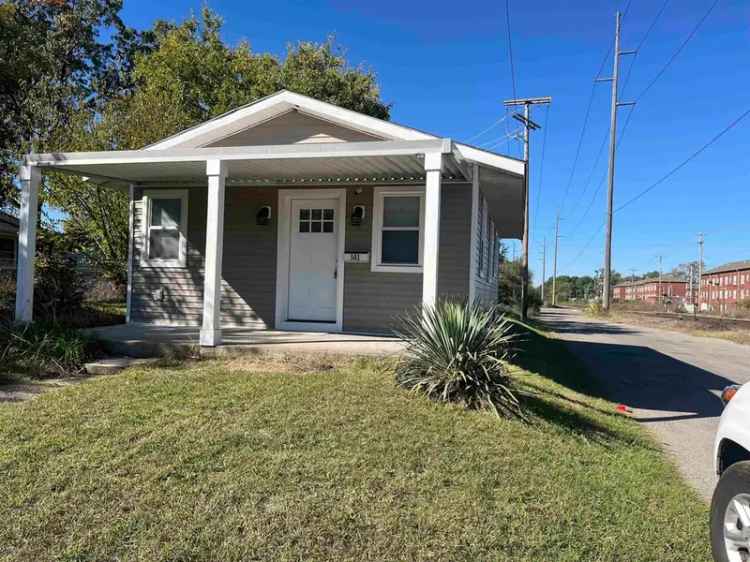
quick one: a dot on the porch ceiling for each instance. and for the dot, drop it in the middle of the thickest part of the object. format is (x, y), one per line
(376, 162)
(312, 163)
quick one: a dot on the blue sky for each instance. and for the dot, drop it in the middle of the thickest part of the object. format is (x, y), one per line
(444, 66)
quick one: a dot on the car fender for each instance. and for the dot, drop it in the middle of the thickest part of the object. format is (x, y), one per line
(734, 424)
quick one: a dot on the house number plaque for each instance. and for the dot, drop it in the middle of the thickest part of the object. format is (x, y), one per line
(357, 257)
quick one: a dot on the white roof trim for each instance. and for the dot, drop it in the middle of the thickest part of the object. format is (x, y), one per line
(322, 150)
(491, 159)
(169, 149)
(281, 102)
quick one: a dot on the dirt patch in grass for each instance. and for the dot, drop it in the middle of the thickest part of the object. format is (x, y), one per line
(293, 363)
(17, 387)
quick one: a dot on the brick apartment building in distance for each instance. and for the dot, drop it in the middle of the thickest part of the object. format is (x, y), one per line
(648, 290)
(723, 287)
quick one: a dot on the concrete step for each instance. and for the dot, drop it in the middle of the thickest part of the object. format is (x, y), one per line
(112, 365)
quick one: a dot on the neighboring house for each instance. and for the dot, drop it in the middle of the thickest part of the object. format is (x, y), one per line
(652, 290)
(8, 241)
(296, 214)
(724, 287)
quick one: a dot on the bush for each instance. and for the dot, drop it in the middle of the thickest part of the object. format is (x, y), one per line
(40, 349)
(7, 295)
(455, 353)
(59, 287)
(595, 309)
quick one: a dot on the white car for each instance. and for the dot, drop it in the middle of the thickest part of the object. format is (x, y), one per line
(730, 506)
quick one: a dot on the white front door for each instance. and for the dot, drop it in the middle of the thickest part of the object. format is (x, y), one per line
(313, 263)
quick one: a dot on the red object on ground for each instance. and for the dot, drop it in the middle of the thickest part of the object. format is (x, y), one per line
(623, 409)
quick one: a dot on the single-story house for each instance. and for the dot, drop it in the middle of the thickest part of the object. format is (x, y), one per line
(295, 214)
(8, 241)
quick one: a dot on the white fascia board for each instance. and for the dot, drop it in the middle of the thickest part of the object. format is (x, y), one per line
(281, 102)
(510, 165)
(269, 152)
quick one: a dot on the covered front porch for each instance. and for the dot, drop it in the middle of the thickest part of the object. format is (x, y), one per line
(429, 164)
(148, 340)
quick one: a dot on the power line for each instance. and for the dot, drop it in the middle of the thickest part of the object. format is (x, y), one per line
(677, 52)
(601, 183)
(541, 164)
(669, 62)
(586, 246)
(630, 113)
(596, 163)
(493, 143)
(682, 164)
(583, 130)
(488, 129)
(510, 48)
(669, 174)
(643, 41)
(627, 9)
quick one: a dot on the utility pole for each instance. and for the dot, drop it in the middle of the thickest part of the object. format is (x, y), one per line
(615, 104)
(700, 268)
(544, 269)
(528, 125)
(660, 291)
(632, 282)
(554, 266)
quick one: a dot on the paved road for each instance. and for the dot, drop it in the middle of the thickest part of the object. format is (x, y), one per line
(670, 379)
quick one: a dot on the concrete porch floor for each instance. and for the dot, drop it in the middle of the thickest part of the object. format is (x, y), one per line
(148, 340)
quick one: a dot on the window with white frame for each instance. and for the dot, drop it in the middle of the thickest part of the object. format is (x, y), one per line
(164, 227)
(397, 230)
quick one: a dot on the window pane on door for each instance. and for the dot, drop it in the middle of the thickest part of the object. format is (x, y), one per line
(166, 212)
(164, 245)
(316, 220)
(400, 246)
(401, 211)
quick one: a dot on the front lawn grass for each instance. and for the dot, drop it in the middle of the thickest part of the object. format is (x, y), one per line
(319, 459)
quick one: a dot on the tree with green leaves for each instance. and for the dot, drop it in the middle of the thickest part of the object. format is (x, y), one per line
(54, 63)
(189, 77)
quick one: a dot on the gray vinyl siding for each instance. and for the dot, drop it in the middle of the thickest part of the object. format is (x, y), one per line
(372, 300)
(485, 285)
(248, 265)
(293, 128)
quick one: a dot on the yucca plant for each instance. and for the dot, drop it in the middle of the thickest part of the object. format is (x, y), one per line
(456, 353)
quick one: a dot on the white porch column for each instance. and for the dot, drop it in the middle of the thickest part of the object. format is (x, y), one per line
(433, 165)
(30, 177)
(131, 235)
(211, 328)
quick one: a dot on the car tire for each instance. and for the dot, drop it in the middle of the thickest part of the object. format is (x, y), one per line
(734, 483)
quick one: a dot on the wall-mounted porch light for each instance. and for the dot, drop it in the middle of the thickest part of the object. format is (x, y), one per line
(263, 217)
(358, 215)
